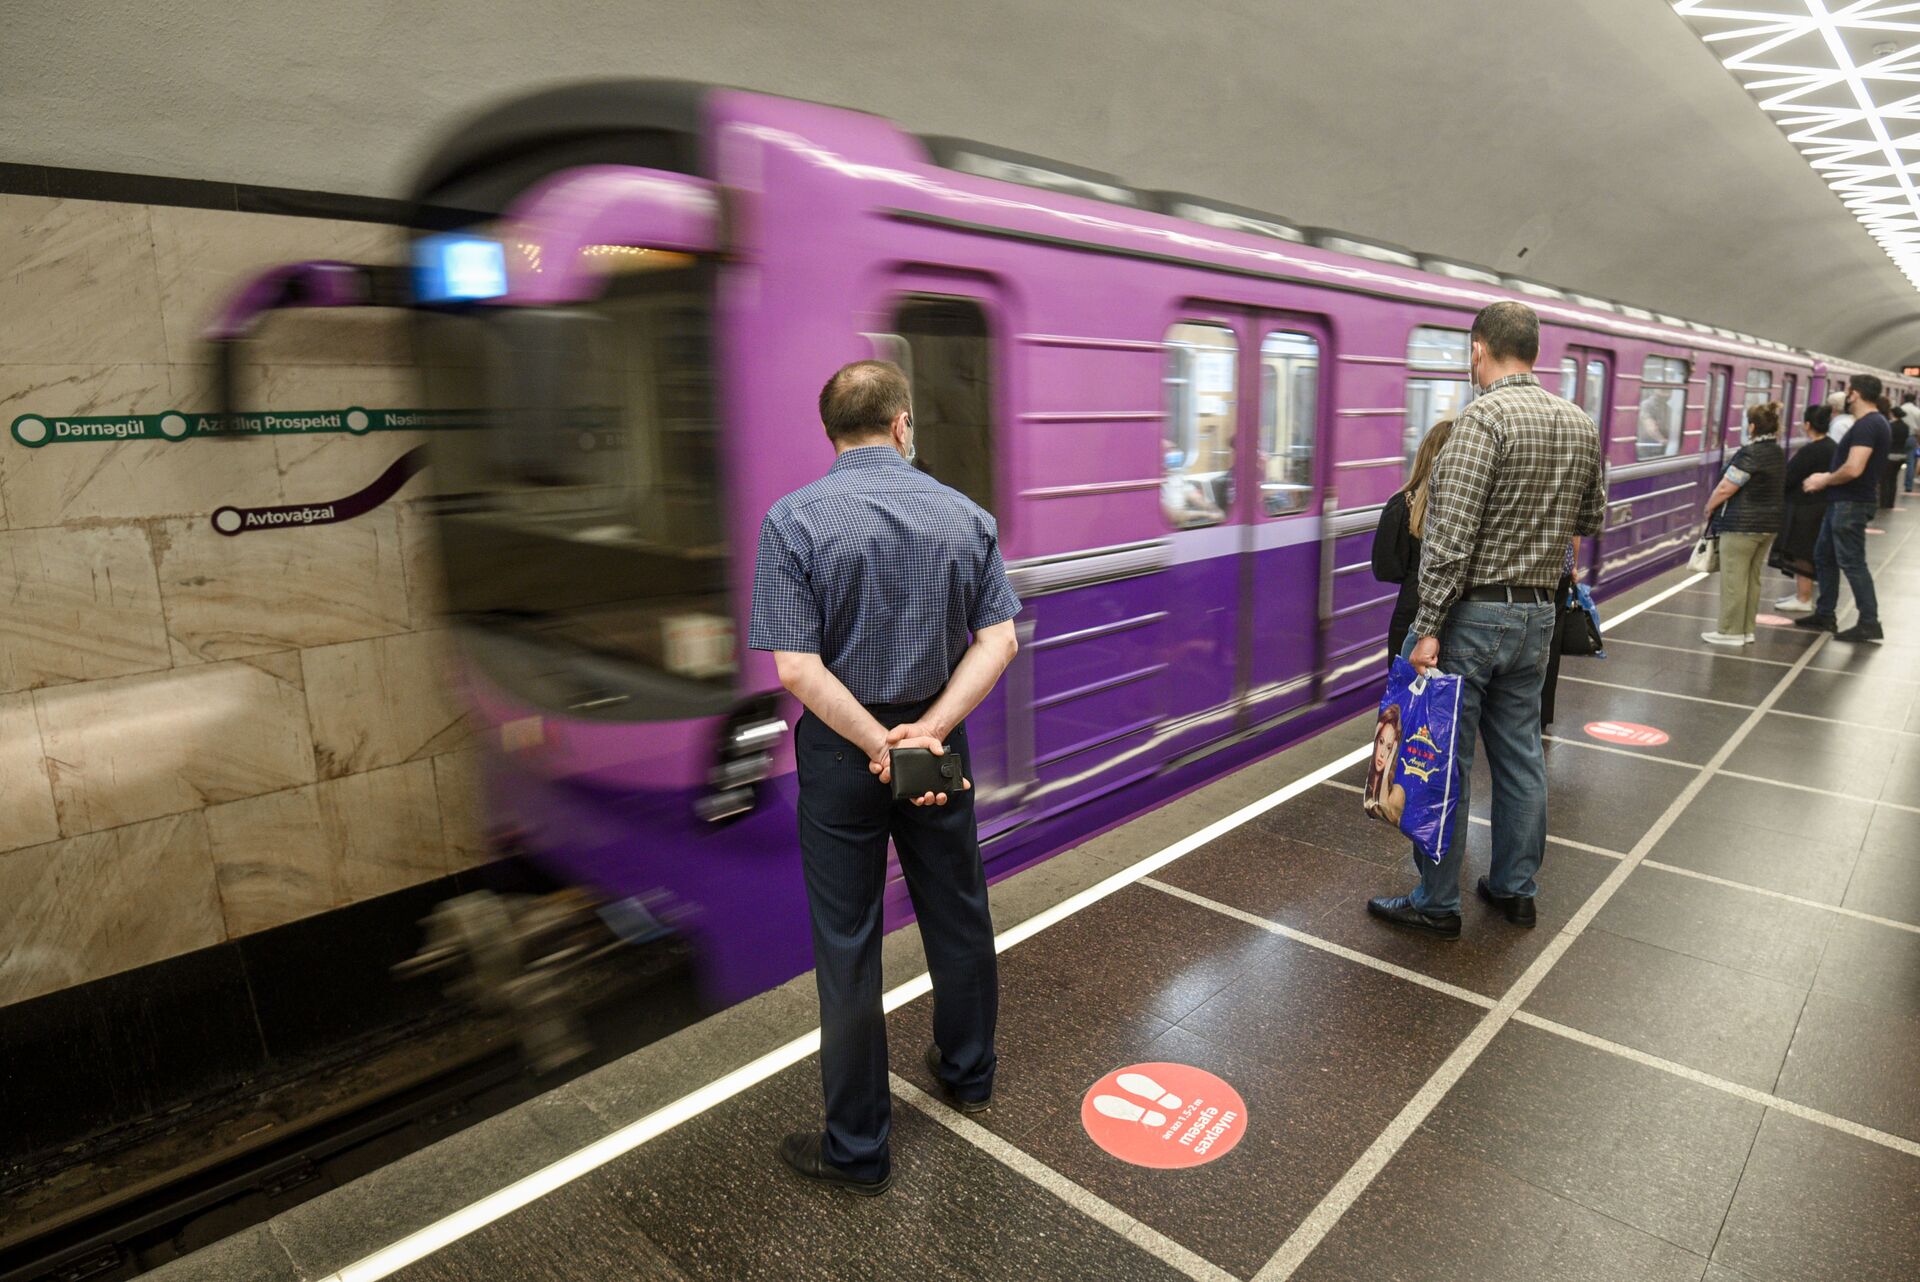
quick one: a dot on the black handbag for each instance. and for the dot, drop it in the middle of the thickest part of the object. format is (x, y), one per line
(1575, 630)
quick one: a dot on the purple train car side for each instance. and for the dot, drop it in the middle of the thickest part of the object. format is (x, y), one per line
(1184, 415)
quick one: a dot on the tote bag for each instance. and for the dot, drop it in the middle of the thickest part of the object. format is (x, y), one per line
(1413, 781)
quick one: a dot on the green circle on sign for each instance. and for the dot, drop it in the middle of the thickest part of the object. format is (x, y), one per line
(357, 420)
(30, 431)
(173, 425)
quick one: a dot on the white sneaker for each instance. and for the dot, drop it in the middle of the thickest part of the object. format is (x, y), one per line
(1793, 605)
(1749, 639)
(1723, 638)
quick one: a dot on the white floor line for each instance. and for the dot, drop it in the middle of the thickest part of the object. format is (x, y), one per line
(1836, 909)
(1361, 1175)
(486, 1210)
(1324, 945)
(1662, 694)
(1872, 1135)
(1711, 652)
(1098, 1209)
(1620, 752)
(1856, 725)
(1823, 792)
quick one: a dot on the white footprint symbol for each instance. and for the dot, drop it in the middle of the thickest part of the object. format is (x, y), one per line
(1125, 1110)
(1148, 1089)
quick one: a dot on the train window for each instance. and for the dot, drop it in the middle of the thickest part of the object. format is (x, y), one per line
(1593, 393)
(943, 345)
(1430, 400)
(580, 516)
(1718, 384)
(1759, 387)
(1289, 411)
(1197, 449)
(1569, 378)
(1663, 407)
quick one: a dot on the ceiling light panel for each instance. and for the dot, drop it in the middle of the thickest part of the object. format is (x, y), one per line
(1842, 80)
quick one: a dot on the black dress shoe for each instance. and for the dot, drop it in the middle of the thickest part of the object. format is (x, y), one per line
(801, 1152)
(1861, 632)
(1818, 623)
(968, 1106)
(1518, 909)
(1399, 910)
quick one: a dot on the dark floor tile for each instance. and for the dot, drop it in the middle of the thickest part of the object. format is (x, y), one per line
(1601, 798)
(1869, 701)
(1695, 730)
(1332, 819)
(1491, 953)
(712, 1198)
(1780, 644)
(1712, 843)
(1137, 952)
(1634, 1143)
(1050, 1049)
(1755, 933)
(1280, 879)
(1818, 1204)
(1310, 1012)
(1814, 754)
(1870, 963)
(1897, 660)
(1312, 1109)
(1858, 1062)
(1700, 675)
(1893, 832)
(1713, 1018)
(1834, 821)
(1437, 1214)
(1886, 886)
(1902, 785)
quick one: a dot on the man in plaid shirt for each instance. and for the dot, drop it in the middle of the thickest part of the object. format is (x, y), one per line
(1520, 477)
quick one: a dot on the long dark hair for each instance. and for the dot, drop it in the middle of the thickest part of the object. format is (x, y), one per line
(1380, 778)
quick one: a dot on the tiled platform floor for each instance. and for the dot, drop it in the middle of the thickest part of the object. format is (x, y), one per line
(1704, 1064)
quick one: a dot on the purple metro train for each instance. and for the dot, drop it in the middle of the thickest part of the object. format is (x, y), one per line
(1185, 416)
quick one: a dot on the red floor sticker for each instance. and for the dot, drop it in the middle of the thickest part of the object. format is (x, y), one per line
(1630, 733)
(1773, 620)
(1166, 1116)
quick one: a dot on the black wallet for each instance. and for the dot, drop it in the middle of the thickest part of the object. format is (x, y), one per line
(917, 772)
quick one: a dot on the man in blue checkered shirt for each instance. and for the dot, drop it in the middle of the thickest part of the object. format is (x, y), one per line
(882, 595)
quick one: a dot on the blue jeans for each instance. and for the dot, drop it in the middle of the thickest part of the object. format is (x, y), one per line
(1842, 549)
(1501, 650)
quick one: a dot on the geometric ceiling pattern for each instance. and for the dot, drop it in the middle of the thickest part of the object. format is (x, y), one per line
(1842, 80)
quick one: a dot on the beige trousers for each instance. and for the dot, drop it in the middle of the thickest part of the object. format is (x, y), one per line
(1743, 558)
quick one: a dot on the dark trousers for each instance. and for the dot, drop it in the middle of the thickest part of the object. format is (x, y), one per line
(846, 818)
(1842, 550)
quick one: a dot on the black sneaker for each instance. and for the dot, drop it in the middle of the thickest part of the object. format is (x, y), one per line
(1818, 623)
(801, 1152)
(1861, 632)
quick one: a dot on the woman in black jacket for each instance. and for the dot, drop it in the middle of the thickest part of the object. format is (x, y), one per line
(1396, 543)
(1750, 501)
(1793, 550)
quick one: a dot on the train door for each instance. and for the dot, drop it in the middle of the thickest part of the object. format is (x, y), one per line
(1789, 411)
(1281, 637)
(1713, 432)
(1592, 371)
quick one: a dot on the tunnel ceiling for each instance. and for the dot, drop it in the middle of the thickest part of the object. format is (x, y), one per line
(1596, 144)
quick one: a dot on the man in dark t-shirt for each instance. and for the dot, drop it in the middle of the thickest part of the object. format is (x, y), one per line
(1853, 488)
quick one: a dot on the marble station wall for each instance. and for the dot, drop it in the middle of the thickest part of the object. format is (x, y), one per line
(203, 736)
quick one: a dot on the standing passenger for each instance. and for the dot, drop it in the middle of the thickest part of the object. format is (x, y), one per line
(1911, 412)
(1899, 433)
(1793, 551)
(1396, 542)
(1852, 489)
(1519, 479)
(867, 587)
(1752, 492)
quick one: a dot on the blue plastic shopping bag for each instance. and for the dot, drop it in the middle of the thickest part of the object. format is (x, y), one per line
(1412, 782)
